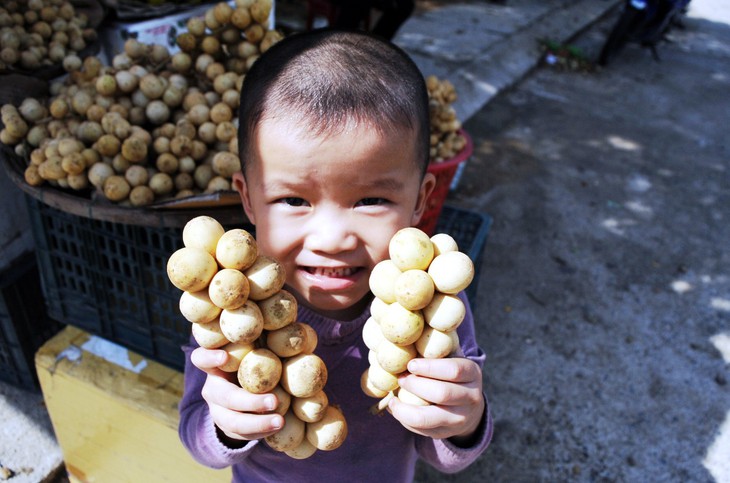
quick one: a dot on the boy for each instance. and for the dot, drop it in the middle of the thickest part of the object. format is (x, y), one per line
(334, 147)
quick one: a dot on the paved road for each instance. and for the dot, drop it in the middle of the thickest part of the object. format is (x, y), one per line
(605, 294)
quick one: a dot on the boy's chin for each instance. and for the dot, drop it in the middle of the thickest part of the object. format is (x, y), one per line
(337, 307)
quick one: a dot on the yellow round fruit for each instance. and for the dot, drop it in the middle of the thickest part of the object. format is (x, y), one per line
(451, 272)
(242, 324)
(288, 437)
(284, 399)
(287, 341)
(197, 307)
(394, 358)
(329, 432)
(382, 379)
(237, 249)
(191, 269)
(202, 232)
(434, 344)
(303, 451)
(382, 280)
(445, 312)
(410, 248)
(304, 375)
(266, 276)
(400, 325)
(209, 335)
(368, 388)
(371, 334)
(443, 243)
(236, 352)
(377, 308)
(413, 289)
(310, 409)
(279, 310)
(260, 371)
(228, 288)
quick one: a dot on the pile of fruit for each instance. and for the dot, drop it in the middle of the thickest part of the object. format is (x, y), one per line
(152, 125)
(416, 310)
(41, 33)
(234, 299)
(446, 140)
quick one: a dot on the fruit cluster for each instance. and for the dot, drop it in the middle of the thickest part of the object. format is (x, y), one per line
(234, 298)
(446, 140)
(41, 33)
(152, 126)
(416, 310)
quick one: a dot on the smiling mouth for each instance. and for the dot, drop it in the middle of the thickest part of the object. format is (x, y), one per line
(333, 272)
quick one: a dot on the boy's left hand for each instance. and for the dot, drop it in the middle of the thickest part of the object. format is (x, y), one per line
(453, 386)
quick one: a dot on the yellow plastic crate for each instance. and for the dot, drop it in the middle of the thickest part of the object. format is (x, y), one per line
(115, 413)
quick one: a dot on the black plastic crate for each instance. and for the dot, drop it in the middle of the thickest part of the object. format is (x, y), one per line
(470, 230)
(24, 324)
(110, 279)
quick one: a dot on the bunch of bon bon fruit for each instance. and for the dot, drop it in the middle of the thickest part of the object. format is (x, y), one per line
(416, 310)
(235, 300)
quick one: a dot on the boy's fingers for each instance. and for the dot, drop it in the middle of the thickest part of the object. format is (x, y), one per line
(221, 392)
(430, 421)
(208, 360)
(246, 425)
(452, 369)
(438, 392)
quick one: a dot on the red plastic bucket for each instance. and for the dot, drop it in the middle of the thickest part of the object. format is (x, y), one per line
(444, 172)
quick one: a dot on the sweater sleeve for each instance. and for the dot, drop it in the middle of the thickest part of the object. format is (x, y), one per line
(197, 430)
(442, 454)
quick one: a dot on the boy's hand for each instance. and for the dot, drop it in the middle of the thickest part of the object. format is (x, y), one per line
(454, 387)
(238, 414)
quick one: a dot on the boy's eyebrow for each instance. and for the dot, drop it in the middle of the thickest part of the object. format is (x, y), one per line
(385, 183)
(389, 184)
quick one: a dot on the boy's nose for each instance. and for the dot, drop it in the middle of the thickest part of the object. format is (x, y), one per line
(331, 232)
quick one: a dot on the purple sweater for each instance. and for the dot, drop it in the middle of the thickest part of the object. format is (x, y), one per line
(377, 449)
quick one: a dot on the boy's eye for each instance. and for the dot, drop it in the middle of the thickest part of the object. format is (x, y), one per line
(293, 201)
(372, 201)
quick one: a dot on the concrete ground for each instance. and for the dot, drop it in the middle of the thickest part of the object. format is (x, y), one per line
(604, 294)
(28, 448)
(604, 302)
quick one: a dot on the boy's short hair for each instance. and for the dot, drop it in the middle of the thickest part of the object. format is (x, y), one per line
(327, 78)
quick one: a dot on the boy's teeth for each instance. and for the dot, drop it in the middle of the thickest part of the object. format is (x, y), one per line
(333, 272)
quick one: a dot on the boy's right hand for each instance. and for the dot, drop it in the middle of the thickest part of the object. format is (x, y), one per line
(238, 414)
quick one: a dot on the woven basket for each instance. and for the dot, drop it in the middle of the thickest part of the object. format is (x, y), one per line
(135, 10)
(444, 173)
(224, 206)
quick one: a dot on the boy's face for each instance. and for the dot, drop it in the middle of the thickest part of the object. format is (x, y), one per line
(327, 206)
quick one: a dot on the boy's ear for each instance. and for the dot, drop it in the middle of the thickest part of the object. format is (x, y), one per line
(239, 184)
(427, 186)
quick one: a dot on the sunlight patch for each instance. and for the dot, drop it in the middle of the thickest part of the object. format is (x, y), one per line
(717, 460)
(623, 144)
(720, 304)
(639, 208)
(721, 342)
(639, 184)
(681, 286)
(714, 11)
(616, 226)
